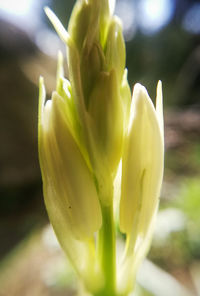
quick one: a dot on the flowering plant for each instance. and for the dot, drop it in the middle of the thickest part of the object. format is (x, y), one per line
(99, 151)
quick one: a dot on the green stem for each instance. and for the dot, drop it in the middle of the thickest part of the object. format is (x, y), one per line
(107, 252)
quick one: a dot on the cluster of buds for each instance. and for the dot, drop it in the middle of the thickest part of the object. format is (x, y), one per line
(93, 138)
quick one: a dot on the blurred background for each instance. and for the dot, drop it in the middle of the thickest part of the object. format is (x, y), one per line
(162, 42)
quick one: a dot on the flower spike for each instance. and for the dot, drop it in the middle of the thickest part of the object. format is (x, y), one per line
(101, 153)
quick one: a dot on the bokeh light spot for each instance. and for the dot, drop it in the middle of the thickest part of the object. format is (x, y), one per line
(154, 14)
(21, 7)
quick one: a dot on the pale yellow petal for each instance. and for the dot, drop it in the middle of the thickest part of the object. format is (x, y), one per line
(112, 6)
(65, 171)
(142, 172)
(142, 166)
(63, 34)
(159, 106)
(80, 253)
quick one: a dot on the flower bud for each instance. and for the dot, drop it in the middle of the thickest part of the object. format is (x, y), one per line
(80, 22)
(66, 176)
(142, 173)
(106, 113)
(115, 49)
(142, 165)
(96, 61)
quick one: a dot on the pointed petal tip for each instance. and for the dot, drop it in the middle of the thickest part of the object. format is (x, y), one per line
(60, 55)
(48, 12)
(46, 9)
(64, 35)
(159, 96)
(139, 88)
(41, 79)
(112, 6)
(139, 93)
(159, 85)
(48, 105)
(60, 70)
(41, 82)
(159, 106)
(42, 91)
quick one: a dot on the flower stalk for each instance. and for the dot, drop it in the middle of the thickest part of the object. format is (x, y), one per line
(107, 252)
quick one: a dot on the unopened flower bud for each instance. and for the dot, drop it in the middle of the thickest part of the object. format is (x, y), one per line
(68, 183)
(142, 172)
(115, 48)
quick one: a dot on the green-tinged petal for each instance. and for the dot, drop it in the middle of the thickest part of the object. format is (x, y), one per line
(106, 111)
(60, 72)
(92, 63)
(115, 48)
(65, 171)
(125, 93)
(84, 23)
(106, 132)
(64, 90)
(107, 9)
(73, 63)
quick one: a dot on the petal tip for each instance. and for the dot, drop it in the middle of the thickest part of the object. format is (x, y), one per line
(139, 89)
